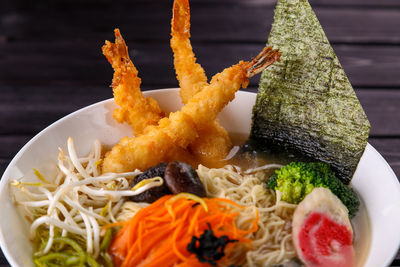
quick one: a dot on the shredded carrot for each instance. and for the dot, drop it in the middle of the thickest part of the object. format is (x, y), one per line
(110, 225)
(159, 234)
(194, 220)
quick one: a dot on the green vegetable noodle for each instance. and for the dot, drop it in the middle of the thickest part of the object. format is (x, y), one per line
(76, 257)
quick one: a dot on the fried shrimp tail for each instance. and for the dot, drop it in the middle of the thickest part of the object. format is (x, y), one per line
(182, 127)
(266, 58)
(135, 109)
(213, 141)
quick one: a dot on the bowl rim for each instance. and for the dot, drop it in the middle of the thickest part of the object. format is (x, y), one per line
(394, 178)
(4, 181)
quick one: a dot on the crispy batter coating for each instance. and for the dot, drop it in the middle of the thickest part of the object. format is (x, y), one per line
(182, 127)
(141, 112)
(191, 75)
(212, 146)
(135, 109)
(144, 151)
(213, 141)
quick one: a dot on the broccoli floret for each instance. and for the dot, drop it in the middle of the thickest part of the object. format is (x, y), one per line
(271, 182)
(297, 179)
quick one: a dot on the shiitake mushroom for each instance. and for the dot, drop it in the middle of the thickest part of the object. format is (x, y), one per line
(182, 177)
(178, 177)
(154, 193)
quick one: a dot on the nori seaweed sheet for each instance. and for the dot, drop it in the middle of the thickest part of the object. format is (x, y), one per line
(305, 102)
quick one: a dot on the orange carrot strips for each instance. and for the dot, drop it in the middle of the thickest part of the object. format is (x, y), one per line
(147, 241)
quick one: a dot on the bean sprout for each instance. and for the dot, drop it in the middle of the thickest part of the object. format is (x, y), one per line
(78, 200)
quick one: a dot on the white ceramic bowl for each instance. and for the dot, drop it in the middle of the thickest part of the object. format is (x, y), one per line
(374, 179)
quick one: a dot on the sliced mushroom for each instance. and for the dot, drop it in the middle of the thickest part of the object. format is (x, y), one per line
(181, 177)
(154, 193)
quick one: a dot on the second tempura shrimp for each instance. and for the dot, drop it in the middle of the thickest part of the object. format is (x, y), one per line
(213, 141)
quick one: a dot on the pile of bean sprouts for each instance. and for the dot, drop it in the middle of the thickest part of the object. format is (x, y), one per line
(78, 200)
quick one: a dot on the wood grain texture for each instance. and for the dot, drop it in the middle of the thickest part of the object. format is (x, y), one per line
(3, 165)
(382, 108)
(389, 149)
(81, 63)
(242, 21)
(11, 144)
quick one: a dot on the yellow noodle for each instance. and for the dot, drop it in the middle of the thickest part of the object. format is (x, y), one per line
(273, 241)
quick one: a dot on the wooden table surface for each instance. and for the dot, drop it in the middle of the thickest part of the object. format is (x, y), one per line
(51, 63)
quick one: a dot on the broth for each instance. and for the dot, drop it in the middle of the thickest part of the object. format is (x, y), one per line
(362, 235)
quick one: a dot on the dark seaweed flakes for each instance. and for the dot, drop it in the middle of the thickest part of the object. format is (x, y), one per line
(208, 247)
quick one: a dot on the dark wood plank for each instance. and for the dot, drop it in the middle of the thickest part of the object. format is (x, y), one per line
(333, 3)
(374, 3)
(363, 3)
(396, 262)
(389, 149)
(38, 107)
(3, 261)
(3, 165)
(11, 144)
(382, 108)
(235, 21)
(81, 63)
(249, 2)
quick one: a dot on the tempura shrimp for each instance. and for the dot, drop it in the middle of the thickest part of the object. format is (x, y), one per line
(181, 128)
(213, 141)
(135, 109)
(191, 75)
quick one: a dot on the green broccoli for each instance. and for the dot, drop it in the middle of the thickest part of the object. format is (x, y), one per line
(297, 179)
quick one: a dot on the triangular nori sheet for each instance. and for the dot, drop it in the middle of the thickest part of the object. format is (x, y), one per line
(305, 102)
